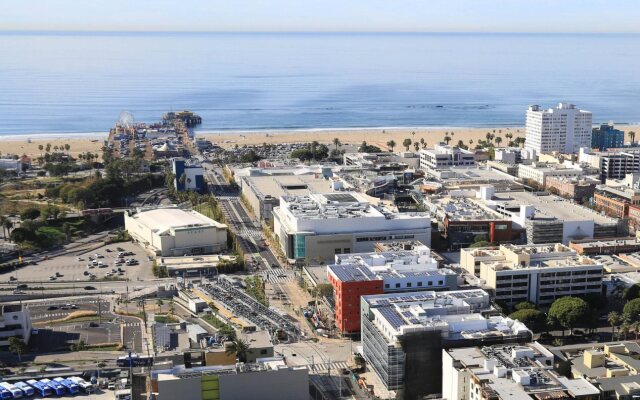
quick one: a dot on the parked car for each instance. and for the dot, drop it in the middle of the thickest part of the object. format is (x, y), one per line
(89, 288)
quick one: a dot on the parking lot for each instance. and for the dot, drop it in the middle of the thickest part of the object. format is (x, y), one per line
(74, 266)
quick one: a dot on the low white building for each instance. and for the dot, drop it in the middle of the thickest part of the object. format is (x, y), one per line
(539, 172)
(443, 156)
(508, 373)
(171, 231)
(319, 226)
(15, 321)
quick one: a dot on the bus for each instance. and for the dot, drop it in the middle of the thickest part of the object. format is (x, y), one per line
(57, 388)
(15, 392)
(26, 389)
(42, 389)
(85, 386)
(4, 393)
(71, 386)
(134, 360)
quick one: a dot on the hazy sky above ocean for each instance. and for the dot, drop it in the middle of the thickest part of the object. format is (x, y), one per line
(326, 15)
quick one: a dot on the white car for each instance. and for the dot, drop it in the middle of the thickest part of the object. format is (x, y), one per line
(98, 255)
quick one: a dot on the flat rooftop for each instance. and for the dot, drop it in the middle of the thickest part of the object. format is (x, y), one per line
(287, 185)
(595, 243)
(549, 207)
(462, 209)
(161, 220)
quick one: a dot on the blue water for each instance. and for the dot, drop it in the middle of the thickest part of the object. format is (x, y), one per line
(81, 82)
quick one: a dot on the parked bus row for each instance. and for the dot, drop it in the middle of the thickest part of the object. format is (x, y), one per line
(45, 387)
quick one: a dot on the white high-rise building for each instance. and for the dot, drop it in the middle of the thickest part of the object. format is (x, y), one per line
(564, 129)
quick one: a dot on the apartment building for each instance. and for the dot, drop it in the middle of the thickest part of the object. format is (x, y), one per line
(563, 129)
(575, 189)
(403, 335)
(508, 372)
(319, 226)
(612, 164)
(607, 137)
(539, 172)
(443, 156)
(538, 274)
(356, 275)
(188, 175)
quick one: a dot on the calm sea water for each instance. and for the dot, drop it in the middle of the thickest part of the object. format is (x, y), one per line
(81, 82)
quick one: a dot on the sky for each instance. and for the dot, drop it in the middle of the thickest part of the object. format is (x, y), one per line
(323, 15)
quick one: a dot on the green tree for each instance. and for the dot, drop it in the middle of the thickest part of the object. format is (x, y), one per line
(67, 147)
(569, 312)
(407, 143)
(423, 143)
(238, 347)
(525, 305)
(498, 140)
(632, 136)
(416, 146)
(17, 346)
(336, 143)
(632, 292)
(447, 139)
(614, 319)
(391, 144)
(534, 319)
(631, 310)
(30, 213)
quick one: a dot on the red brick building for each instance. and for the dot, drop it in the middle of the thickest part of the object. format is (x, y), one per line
(347, 298)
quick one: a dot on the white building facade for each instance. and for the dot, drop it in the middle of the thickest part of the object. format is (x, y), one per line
(319, 226)
(171, 231)
(564, 129)
(15, 321)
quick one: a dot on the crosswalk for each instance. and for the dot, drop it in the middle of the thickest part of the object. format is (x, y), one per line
(131, 324)
(277, 275)
(336, 366)
(250, 233)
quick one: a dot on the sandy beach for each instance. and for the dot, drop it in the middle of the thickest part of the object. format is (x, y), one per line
(375, 136)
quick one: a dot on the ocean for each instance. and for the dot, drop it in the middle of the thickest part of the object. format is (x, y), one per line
(81, 82)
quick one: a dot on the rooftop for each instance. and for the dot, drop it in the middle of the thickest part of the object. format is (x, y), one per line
(549, 207)
(461, 209)
(162, 220)
(277, 186)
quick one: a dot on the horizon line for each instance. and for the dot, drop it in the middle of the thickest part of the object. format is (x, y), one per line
(336, 32)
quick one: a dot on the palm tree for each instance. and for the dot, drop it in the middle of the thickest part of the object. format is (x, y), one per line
(632, 135)
(2, 220)
(416, 145)
(336, 143)
(40, 147)
(47, 148)
(447, 139)
(614, 319)
(55, 148)
(488, 136)
(238, 347)
(623, 331)
(391, 144)
(498, 140)
(406, 143)
(67, 146)
(7, 224)
(413, 134)
(470, 142)
(423, 143)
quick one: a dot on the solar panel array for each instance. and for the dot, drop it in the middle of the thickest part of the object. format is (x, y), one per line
(391, 315)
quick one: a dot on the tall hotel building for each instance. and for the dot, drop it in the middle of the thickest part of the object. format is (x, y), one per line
(564, 129)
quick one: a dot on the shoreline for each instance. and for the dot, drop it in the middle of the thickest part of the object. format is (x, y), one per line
(379, 136)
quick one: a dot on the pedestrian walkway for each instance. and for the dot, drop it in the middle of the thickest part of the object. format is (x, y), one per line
(277, 275)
